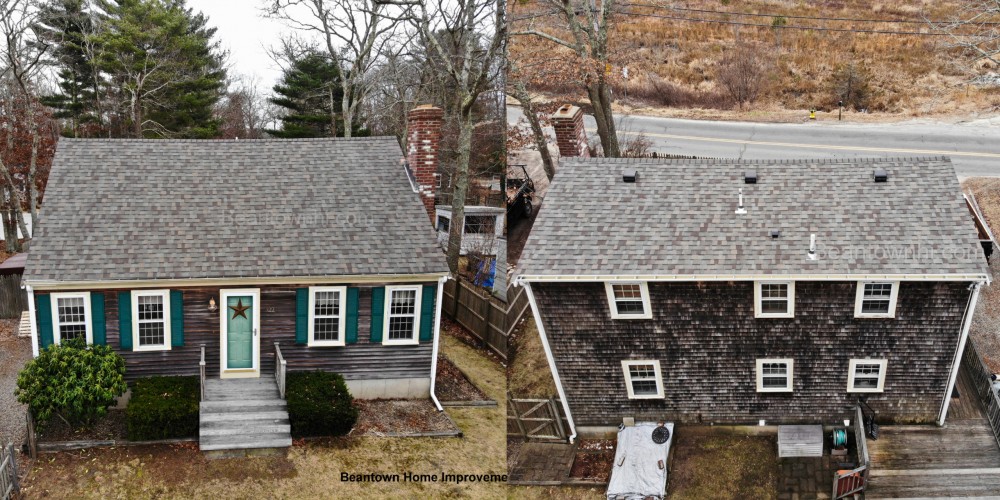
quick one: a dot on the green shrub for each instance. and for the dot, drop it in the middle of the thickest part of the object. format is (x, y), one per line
(163, 408)
(319, 404)
(76, 381)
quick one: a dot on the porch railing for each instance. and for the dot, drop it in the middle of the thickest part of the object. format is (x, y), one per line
(983, 385)
(280, 368)
(848, 482)
(201, 370)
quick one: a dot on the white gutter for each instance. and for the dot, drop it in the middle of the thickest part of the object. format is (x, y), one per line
(34, 327)
(552, 362)
(437, 338)
(754, 277)
(970, 309)
(245, 280)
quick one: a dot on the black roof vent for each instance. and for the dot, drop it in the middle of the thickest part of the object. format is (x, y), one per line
(880, 175)
(750, 176)
(774, 233)
(630, 175)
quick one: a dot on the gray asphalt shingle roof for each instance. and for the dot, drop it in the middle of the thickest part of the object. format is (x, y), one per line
(679, 219)
(177, 209)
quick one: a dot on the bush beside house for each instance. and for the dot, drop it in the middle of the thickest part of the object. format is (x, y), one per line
(319, 404)
(163, 408)
(72, 380)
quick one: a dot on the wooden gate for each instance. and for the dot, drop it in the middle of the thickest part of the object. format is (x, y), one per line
(536, 419)
(848, 482)
(8, 472)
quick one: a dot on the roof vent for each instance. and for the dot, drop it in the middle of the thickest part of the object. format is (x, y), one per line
(630, 175)
(812, 247)
(880, 175)
(750, 176)
(774, 233)
(739, 208)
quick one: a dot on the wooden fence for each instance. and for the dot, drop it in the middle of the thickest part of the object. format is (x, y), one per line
(536, 419)
(488, 318)
(983, 383)
(8, 472)
(13, 300)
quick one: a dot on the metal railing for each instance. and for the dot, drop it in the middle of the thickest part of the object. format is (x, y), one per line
(280, 368)
(201, 369)
(983, 384)
(848, 482)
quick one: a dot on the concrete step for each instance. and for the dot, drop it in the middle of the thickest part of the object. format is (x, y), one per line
(242, 406)
(240, 417)
(240, 441)
(248, 431)
(241, 396)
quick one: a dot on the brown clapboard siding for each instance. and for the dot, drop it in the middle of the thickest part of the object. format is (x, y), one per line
(361, 360)
(707, 340)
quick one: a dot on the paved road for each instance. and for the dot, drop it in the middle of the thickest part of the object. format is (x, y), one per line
(974, 147)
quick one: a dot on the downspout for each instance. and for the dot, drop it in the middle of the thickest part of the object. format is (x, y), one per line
(552, 362)
(34, 327)
(437, 339)
(970, 308)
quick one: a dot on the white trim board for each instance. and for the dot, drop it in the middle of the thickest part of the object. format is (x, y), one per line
(87, 315)
(254, 370)
(45, 285)
(165, 294)
(980, 278)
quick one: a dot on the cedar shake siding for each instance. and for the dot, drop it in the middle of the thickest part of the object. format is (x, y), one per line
(362, 360)
(706, 339)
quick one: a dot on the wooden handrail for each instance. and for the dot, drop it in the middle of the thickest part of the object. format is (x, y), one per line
(201, 369)
(280, 367)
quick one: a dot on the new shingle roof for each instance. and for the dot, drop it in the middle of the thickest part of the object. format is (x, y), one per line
(679, 219)
(177, 209)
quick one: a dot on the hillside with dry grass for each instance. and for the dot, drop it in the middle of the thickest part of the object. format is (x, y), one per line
(681, 64)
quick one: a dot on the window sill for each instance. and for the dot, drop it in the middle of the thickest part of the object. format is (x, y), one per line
(151, 348)
(876, 316)
(651, 396)
(775, 390)
(775, 316)
(401, 342)
(325, 343)
(868, 391)
(615, 315)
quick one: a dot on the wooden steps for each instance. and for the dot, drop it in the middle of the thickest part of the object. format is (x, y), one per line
(242, 417)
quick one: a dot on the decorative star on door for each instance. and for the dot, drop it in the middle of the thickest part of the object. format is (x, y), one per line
(239, 309)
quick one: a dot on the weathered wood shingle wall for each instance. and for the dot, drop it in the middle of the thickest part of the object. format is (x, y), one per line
(707, 340)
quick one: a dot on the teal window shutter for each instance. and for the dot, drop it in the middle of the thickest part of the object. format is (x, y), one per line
(427, 312)
(97, 318)
(43, 313)
(378, 311)
(125, 320)
(352, 316)
(176, 318)
(302, 316)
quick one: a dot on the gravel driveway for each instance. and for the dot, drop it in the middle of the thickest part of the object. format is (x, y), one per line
(14, 353)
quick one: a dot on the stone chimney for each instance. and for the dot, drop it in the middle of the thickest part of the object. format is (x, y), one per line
(571, 137)
(423, 138)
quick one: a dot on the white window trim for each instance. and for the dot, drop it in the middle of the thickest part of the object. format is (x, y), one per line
(56, 337)
(859, 298)
(628, 378)
(415, 339)
(166, 319)
(757, 299)
(342, 318)
(760, 375)
(647, 311)
(883, 365)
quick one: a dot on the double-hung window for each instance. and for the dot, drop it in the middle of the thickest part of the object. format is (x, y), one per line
(775, 375)
(643, 379)
(151, 320)
(774, 299)
(866, 375)
(402, 314)
(876, 299)
(71, 317)
(628, 300)
(326, 315)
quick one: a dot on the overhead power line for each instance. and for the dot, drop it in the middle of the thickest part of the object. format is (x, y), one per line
(815, 18)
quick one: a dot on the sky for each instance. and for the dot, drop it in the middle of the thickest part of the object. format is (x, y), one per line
(246, 35)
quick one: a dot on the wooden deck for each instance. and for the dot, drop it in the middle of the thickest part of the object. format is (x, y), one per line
(961, 459)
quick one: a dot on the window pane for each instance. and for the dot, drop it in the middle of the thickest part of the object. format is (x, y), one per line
(774, 306)
(403, 302)
(326, 329)
(773, 291)
(874, 306)
(631, 291)
(641, 371)
(327, 304)
(774, 375)
(644, 387)
(877, 290)
(151, 333)
(479, 224)
(72, 310)
(401, 328)
(866, 376)
(628, 298)
(643, 380)
(73, 331)
(150, 307)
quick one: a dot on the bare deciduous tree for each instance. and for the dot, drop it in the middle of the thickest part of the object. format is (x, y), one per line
(975, 27)
(743, 73)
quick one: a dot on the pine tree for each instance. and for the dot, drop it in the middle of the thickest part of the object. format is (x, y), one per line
(311, 95)
(65, 26)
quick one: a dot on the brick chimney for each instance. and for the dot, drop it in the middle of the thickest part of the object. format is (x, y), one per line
(422, 142)
(570, 134)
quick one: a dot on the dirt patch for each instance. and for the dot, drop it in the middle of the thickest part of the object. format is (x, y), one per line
(513, 451)
(723, 466)
(453, 385)
(112, 426)
(381, 417)
(8, 329)
(594, 459)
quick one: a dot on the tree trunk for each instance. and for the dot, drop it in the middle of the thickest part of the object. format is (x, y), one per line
(600, 98)
(460, 189)
(32, 172)
(347, 114)
(11, 243)
(521, 94)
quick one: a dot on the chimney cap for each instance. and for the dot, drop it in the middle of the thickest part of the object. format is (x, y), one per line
(880, 175)
(630, 175)
(750, 176)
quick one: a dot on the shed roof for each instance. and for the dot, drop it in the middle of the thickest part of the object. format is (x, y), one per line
(679, 219)
(191, 209)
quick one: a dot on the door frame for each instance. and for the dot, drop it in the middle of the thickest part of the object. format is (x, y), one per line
(254, 370)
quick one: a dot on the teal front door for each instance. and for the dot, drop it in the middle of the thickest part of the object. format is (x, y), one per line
(239, 331)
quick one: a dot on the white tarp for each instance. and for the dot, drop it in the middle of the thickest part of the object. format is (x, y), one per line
(640, 468)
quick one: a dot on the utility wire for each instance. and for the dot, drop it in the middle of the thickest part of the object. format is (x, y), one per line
(817, 18)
